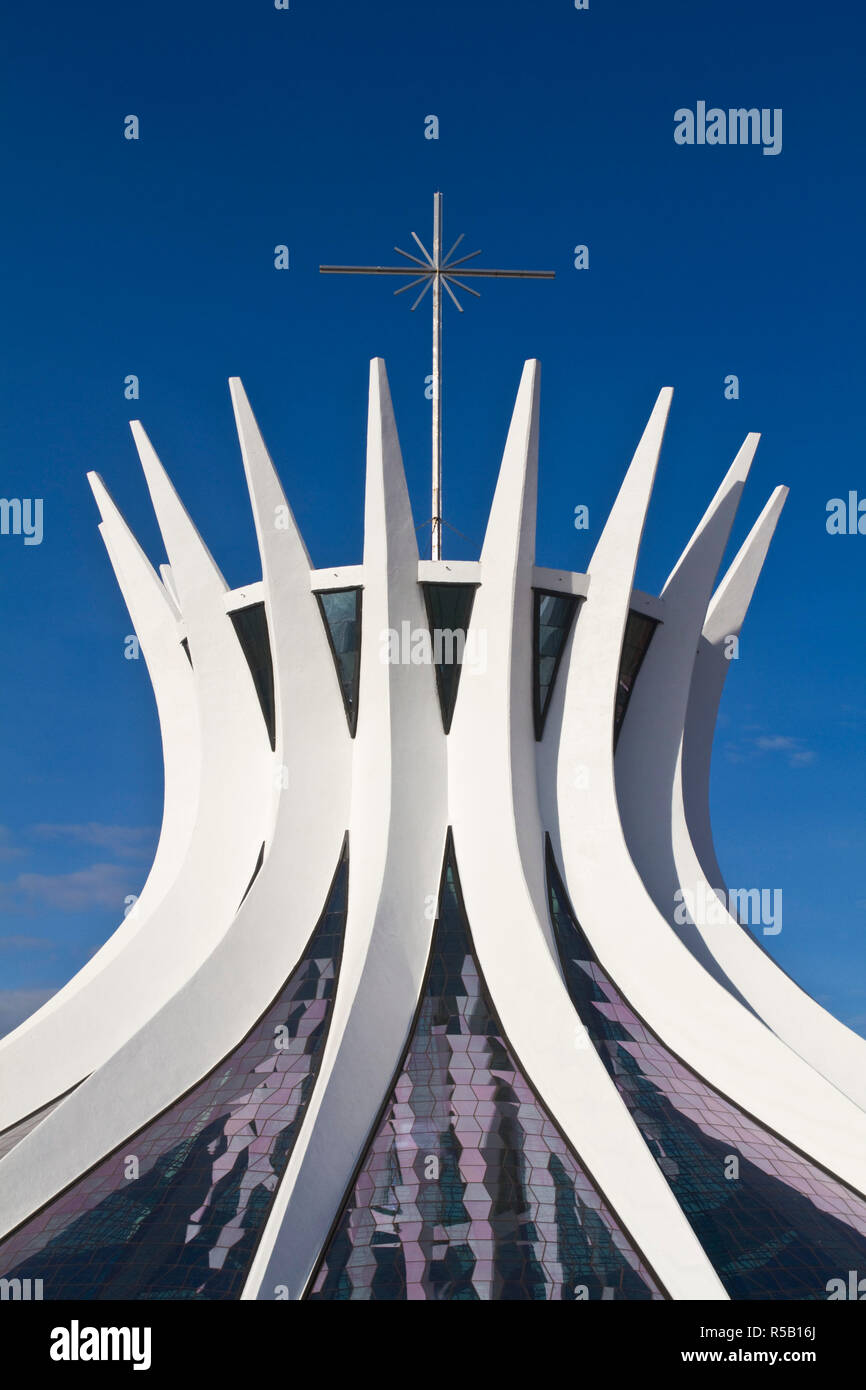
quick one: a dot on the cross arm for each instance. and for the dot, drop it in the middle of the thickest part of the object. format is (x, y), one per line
(368, 270)
(506, 274)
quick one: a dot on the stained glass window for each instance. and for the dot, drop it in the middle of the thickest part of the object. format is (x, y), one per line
(341, 612)
(468, 1190)
(553, 615)
(184, 1220)
(773, 1224)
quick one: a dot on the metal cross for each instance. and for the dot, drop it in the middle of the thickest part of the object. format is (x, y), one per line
(435, 271)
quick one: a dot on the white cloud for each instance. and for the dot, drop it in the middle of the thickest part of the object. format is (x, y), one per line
(797, 754)
(25, 943)
(99, 886)
(123, 841)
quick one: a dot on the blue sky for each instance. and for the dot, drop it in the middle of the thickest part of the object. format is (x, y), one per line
(306, 127)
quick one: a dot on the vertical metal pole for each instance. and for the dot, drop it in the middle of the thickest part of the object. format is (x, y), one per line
(436, 537)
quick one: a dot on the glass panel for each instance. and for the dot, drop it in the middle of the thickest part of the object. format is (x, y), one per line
(553, 615)
(468, 1191)
(449, 609)
(773, 1224)
(251, 626)
(341, 611)
(638, 635)
(208, 1167)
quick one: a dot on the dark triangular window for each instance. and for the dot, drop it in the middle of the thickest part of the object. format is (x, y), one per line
(553, 615)
(449, 608)
(341, 611)
(251, 626)
(468, 1190)
(259, 862)
(184, 642)
(635, 645)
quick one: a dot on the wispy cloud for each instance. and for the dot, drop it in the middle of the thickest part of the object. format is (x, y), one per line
(798, 754)
(123, 841)
(18, 1004)
(794, 750)
(99, 886)
(25, 943)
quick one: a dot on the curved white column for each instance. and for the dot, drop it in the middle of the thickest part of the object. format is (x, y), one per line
(87, 1012)
(694, 1015)
(234, 765)
(820, 1039)
(647, 754)
(155, 622)
(397, 843)
(499, 848)
(726, 613)
(217, 1002)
